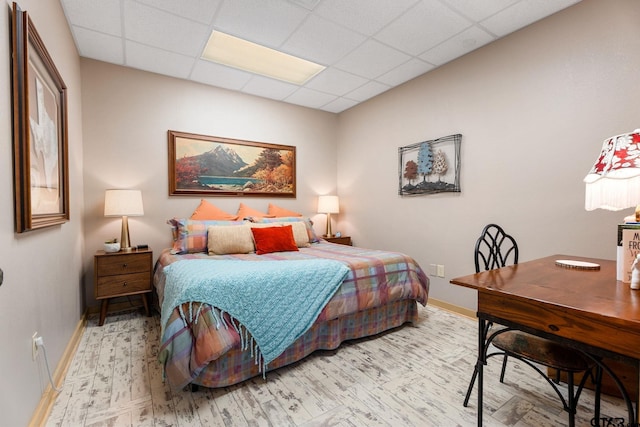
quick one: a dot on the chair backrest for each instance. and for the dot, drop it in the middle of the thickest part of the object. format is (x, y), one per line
(495, 249)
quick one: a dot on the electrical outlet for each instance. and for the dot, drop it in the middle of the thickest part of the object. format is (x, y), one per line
(34, 346)
(440, 270)
(431, 270)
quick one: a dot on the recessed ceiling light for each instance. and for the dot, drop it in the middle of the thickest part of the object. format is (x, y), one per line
(245, 55)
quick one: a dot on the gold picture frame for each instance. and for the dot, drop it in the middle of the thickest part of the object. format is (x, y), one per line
(214, 166)
(40, 144)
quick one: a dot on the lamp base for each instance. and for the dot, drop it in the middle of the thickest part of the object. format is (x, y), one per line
(125, 243)
(329, 233)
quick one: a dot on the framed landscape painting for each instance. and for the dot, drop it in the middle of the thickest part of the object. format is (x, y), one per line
(40, 146)
(215, 166)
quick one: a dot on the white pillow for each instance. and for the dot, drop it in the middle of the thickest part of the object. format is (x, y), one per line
(229, 239)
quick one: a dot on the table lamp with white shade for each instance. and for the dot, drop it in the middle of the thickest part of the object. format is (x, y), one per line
(329, 205)
(124, 203)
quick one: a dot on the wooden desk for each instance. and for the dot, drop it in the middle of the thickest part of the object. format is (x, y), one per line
(586, 309)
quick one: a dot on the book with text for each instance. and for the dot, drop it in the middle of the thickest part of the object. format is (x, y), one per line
(628, 248)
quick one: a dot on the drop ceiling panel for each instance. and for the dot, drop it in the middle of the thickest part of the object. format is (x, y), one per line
(269, 88)
(102, 47)
(368, 46)
(99, 15)
(336, 82)
(219, 75)
(196, 10)
(267, 22)
(157, 60)
(522, 14)
(405, 72)
(322, 41)
(367, 91)
(339, 105)
(310, 98)
(479, 10)
(468, 40)
(364, 16)
(422, 27)
(372, 59)
(163, 30)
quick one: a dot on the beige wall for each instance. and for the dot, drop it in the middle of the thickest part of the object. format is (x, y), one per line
(42, 288)
(533, 109)
(126, 117)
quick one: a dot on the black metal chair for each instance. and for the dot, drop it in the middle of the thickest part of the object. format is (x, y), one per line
(495, 249)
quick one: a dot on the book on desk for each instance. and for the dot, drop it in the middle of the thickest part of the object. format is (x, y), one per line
(628, 247)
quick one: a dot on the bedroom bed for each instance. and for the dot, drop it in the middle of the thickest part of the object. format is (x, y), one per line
(206, 341)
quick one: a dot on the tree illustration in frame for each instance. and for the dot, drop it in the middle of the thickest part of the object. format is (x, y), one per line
(440, 172)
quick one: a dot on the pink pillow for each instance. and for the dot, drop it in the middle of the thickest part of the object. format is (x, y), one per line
(207, 211)
(277, 211)
(245, 211)
(274, 239)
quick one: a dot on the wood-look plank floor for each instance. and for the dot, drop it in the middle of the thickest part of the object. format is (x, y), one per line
(411, 376)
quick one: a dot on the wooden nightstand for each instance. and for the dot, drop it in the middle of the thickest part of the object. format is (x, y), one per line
(120, 274)
(342, 240)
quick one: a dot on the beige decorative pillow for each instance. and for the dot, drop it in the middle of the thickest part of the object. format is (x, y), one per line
(299, 229)
(234, 239)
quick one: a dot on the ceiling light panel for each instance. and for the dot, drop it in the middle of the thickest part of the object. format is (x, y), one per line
(245, 55)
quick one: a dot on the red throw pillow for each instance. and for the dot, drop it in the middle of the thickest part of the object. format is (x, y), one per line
(274, 239)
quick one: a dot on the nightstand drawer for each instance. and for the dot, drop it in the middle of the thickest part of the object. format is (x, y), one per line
(131, 263)
(343, 240)
(111, 286)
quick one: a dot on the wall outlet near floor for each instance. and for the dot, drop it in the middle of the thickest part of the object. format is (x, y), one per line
(436, 270)
(34, 346)
(431, 270)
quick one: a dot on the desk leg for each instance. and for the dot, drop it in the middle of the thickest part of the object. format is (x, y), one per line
(637, 417)
(482, 342)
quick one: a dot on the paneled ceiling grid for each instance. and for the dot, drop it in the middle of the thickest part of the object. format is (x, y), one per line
(368, 46)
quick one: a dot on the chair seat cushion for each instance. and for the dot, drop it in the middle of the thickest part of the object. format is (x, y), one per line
(542, 351)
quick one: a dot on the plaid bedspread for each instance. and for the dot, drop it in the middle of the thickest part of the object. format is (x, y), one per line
(375, 279)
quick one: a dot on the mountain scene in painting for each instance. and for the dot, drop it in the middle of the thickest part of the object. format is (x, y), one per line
(223, 169)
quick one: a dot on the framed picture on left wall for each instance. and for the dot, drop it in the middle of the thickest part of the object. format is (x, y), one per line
(40, 142)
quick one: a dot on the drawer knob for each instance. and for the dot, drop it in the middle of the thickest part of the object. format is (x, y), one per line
(124, 284)
(124, 265)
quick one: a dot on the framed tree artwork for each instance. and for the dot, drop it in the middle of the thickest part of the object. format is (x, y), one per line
(40, 146)
(430, 167)
(215, 166)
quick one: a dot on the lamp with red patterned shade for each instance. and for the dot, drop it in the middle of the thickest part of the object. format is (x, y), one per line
(613, 183)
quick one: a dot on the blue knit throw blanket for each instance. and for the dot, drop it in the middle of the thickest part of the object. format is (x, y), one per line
(275, 301)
